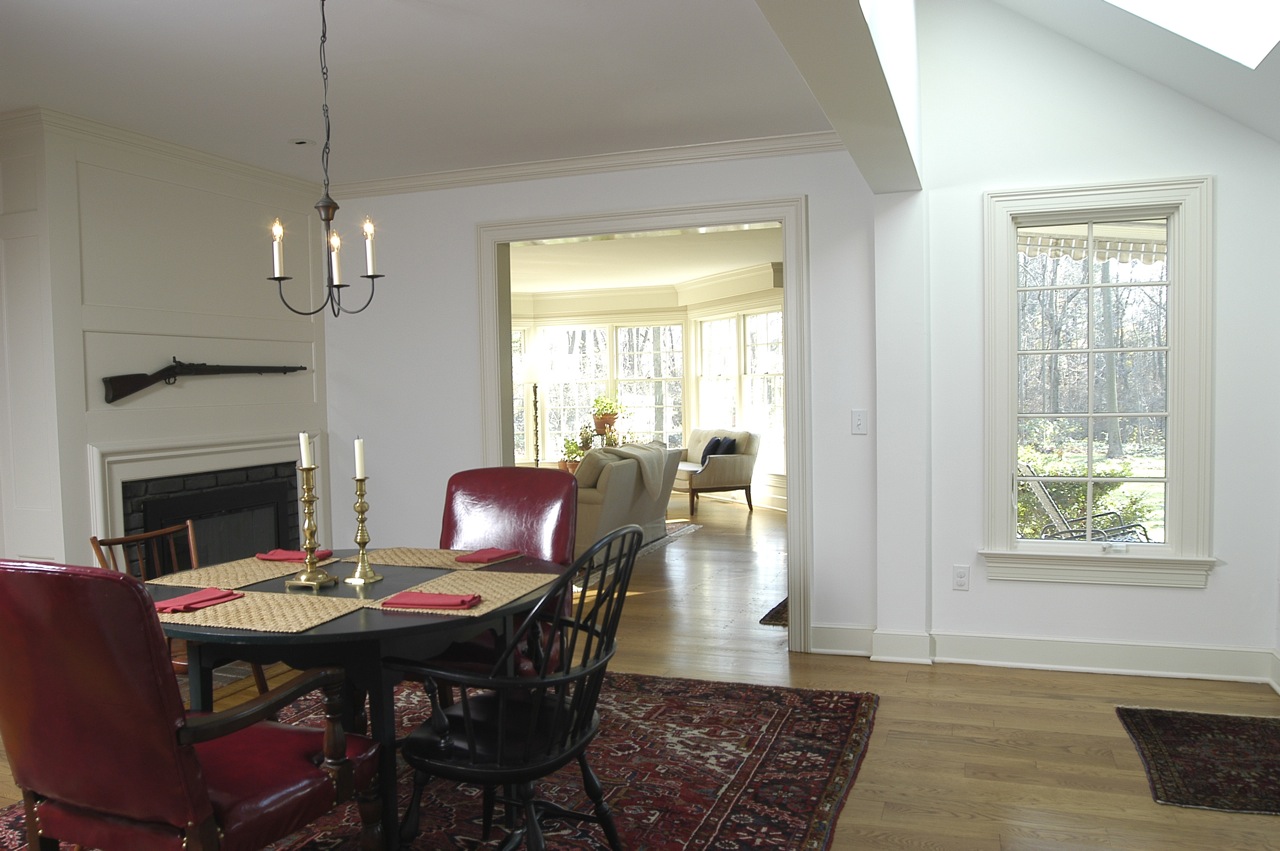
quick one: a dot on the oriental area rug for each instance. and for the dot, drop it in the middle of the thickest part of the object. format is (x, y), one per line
(1206, 761)
(685, 764)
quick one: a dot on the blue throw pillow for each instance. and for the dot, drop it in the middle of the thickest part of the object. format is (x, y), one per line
(712, 448)
(728, 446)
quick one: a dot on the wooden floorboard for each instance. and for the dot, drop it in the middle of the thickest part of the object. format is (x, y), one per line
(962, 757)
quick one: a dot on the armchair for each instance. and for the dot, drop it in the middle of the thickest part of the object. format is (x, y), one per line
(719, 472)
(106, 756)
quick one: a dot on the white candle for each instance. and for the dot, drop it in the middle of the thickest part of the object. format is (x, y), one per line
(368, 246)
(336, 242)
(360, 458)
(277, 249)
(304, 445)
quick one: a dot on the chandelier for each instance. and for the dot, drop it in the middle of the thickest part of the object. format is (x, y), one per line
(326, 207)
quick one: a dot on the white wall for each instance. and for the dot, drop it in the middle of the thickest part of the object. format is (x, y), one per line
(406, 374)
(122, 253)
(1008, 106)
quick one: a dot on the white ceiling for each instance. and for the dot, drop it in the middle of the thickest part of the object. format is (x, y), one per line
(419, 87)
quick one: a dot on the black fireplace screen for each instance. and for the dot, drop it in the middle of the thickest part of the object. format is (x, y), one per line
(236, 513)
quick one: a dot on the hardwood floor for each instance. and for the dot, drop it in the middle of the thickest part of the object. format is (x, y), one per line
(962, 757)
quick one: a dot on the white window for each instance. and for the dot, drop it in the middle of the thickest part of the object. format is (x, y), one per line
(575, 365)
(1099, 311)
(650, 381)
(740, 380)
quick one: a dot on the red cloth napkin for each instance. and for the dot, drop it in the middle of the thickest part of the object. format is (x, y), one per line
(488, 556)
(292, 555)
(424, 600)
(201, 599)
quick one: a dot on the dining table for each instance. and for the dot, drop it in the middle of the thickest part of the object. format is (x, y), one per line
(348, 625)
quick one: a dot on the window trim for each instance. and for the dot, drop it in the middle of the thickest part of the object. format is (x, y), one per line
(1185, 559)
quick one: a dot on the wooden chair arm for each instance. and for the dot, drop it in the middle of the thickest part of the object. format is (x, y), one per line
(202, 728)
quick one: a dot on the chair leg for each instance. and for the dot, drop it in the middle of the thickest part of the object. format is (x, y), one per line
(693, 502)
(370, 805)
(409, 827)
(260, 678)
(532, 830)
(750, 507)
(591, 785)
(487, 825)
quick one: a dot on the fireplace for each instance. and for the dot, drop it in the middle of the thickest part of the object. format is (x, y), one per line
(237, 512)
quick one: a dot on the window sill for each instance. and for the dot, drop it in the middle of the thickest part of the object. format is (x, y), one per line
(1129, 568)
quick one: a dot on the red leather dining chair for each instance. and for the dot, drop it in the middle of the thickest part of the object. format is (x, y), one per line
(106, 756)
(530, 509)
(160, 552)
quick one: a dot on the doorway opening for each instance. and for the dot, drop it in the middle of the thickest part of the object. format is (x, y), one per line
(501, 300)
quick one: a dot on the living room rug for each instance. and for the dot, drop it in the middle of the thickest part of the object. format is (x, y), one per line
(779, 615)
(685, 764)
(1207, 761)
(674, 531)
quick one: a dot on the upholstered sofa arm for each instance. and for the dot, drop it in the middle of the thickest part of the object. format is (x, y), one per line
(724, 470)
(603, 508)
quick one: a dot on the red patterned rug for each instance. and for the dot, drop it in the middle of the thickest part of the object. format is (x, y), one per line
(685, 764)
(1213, 762)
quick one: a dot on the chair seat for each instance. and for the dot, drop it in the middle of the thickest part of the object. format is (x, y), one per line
(492, 743)
(247, 769)
(246, 772)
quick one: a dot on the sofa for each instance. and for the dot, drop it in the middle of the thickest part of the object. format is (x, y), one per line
(624, 484)
(720, 471)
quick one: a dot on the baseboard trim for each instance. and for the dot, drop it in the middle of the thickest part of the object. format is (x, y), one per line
(1232, 664)
(840, 640)
(1237, 664)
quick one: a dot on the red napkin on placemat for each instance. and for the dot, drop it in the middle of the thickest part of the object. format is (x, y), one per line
(201, 599)
(424, 600)
(292, 555)
(488, 556)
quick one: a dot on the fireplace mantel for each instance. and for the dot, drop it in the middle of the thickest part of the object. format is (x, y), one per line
(111, 465)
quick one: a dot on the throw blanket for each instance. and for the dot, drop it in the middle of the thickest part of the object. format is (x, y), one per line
(652, 458)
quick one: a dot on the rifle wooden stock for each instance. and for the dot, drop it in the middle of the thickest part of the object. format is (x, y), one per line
(120, 386)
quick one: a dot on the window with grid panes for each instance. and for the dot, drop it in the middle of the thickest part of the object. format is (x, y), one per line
(763, 400)
(650, 382)
(575, 361)
(1098, 378)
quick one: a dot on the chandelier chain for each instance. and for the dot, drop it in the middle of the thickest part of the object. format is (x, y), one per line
(324, 76)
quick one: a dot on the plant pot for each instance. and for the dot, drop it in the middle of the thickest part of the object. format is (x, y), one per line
(604, 422)
(568, 466)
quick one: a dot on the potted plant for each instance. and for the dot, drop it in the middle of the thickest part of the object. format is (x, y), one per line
(605, 411)
(575, 448)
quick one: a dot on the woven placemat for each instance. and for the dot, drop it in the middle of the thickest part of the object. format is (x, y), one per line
(233, 574)
(418, 557)
(495, 590)
(264, 612)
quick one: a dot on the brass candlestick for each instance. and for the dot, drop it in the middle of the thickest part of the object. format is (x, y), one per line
(363, 574)
(312, 575)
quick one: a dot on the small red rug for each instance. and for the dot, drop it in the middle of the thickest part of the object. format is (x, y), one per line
(686, 764)
(1208, 761)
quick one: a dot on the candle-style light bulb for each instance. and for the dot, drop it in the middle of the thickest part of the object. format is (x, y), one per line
(277, 249)
(335, 244)
(368, 246)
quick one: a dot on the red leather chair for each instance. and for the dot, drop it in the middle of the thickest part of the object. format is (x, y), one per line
(530, 509)
(106, 756)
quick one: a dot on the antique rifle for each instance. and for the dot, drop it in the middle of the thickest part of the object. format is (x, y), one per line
(119, 386)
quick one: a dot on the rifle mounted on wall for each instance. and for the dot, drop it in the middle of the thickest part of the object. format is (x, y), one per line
(119, 386)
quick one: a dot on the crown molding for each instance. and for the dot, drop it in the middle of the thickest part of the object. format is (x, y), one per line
(803, 143)
(84, 128)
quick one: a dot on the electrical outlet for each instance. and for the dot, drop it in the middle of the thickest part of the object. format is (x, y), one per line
(960, 577)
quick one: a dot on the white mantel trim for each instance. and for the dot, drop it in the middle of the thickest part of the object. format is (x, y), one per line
(113, 464)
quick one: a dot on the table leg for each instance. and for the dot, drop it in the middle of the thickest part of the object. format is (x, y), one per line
(199, 679)
(382, 722)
